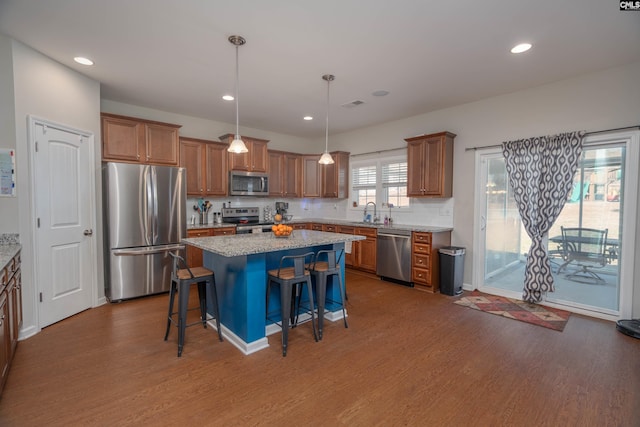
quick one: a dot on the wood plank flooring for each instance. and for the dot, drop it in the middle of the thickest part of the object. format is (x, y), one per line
(408, 358)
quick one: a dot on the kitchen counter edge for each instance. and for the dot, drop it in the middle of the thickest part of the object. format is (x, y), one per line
(408, 227)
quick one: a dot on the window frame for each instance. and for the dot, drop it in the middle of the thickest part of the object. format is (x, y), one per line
(378, 160)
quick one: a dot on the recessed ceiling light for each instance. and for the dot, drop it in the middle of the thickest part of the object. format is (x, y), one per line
(522, 47)
(308, 118)
(228, 98)
(380, 93)
(82, 60)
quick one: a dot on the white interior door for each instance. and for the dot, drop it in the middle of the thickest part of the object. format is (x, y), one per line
(63, 206)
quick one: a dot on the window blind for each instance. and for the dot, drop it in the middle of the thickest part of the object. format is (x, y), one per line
(394, 174)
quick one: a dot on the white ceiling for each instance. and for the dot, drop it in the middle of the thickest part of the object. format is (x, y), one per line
(173, 55)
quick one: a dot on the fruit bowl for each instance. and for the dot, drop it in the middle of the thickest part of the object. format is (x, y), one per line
(281, 230)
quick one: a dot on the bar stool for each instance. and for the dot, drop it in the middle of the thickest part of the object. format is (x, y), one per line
(181, 281)
(286, 278)
(321, 271)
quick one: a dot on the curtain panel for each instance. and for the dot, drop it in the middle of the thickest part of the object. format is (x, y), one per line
(540, 172)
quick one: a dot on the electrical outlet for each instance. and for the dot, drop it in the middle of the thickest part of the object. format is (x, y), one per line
(335, 206)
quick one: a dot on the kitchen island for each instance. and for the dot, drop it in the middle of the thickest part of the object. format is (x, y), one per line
(240, 264)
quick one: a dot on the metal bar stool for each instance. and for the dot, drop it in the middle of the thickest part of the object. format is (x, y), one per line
(320, 271)
(181, 281)
(286, 278)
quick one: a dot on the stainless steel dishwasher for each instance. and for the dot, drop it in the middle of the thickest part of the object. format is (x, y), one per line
(394, 255)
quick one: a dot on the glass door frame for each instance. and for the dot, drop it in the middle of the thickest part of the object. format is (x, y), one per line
(631, 141)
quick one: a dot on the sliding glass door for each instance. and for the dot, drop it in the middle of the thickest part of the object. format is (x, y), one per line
(587, 277)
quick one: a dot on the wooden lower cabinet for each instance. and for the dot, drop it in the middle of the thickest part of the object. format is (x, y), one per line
(366, 253)
(194, 255)
(316, 227)
(10, 314)
(425, 271)
(301, 226)
(348, 257)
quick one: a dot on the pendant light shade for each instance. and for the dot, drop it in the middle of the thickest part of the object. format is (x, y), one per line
(237, 145)
(326, 158)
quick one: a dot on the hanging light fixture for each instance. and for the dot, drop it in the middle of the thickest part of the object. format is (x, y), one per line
(237, 145)
(326, 158)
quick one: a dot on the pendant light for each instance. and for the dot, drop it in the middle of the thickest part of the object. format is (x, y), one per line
(237, 145)
(326, 158)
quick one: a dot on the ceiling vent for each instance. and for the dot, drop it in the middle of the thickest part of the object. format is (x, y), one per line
(353, 104)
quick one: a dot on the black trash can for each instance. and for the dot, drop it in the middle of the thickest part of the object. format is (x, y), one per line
(451, 270)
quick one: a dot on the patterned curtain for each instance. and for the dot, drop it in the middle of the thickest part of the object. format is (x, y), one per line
(541, 174)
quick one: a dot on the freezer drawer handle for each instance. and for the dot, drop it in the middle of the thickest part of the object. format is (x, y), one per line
(124, 252)
(88, 232)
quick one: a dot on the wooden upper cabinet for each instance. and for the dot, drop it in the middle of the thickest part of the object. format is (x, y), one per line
(256, 160)
(127, 139)
(335, 177)
(430, 165)
(285, 174)
(206, 165)
(216, 176)
(311, 176)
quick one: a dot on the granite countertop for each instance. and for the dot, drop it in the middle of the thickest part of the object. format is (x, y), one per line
(409, 227)
(7, 252)
(249, 244)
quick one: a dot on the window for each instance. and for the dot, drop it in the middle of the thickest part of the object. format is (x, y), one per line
(382, 181)
(394, 183)
(364, 184)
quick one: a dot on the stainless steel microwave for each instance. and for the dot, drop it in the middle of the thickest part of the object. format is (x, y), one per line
(248, 184)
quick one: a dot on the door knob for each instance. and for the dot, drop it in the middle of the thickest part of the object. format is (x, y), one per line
(88, 232)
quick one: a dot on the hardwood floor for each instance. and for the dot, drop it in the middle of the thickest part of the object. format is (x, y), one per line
(408, 358)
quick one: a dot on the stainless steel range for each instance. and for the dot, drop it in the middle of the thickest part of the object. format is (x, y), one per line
(247, 220)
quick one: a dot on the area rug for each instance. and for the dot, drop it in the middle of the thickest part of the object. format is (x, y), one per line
(548, 317)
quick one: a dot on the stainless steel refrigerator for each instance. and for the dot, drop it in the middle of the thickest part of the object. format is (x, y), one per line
(145, 219)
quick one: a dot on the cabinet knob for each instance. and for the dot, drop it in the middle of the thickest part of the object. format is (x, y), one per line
(137, 156)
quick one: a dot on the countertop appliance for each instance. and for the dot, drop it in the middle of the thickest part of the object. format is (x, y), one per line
(248, 183)
(394, 256)
(145, 219)
(247, 220)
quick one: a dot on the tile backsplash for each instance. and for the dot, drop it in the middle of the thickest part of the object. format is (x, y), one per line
(9, 238)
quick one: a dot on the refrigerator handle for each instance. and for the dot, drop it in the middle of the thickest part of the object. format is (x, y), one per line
(154, 201)
(148, 205)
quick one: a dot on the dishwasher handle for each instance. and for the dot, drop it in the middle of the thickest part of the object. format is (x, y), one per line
(398, 236)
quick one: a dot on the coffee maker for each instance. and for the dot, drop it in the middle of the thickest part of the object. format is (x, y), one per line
(281, 208)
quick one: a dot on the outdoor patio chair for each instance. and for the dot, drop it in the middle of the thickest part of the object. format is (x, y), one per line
(585, 248)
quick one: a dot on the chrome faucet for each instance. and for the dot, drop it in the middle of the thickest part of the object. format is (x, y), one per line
(375, 212)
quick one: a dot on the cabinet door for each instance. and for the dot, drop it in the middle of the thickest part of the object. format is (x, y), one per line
(216, 169)
(194, 255)
(5, 341)
(414, 169)
(259, 157)
(292, 181)
(122, 139)
(349, 258)
(276, 161)
(366, 256)
(12, 304)
(335, 176)
(191, 158)
(433, 166)
(311, 176)
(161, 144)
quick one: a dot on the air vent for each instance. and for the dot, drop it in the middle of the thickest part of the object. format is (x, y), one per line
(353, 104)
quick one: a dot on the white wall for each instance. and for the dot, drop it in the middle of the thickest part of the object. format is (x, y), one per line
(8, 205)
(48, 90)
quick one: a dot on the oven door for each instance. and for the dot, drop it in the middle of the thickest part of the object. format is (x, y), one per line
(246, 229)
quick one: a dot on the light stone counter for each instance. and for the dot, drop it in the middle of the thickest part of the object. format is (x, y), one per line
(248, 244)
